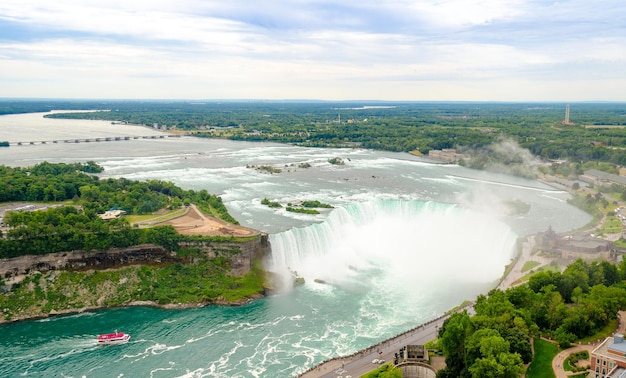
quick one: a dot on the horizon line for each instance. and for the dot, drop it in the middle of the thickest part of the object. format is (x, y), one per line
(303, 100)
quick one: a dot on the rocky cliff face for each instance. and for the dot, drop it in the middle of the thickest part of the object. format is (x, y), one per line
(76, 260)
(241, 255)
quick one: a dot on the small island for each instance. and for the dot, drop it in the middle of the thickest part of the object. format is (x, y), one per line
(305, 207)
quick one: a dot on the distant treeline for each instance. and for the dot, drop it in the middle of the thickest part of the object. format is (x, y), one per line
(18, 106)
(391, 126)
(78, 226)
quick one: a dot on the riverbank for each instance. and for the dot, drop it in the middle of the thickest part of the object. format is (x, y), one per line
(167, 306)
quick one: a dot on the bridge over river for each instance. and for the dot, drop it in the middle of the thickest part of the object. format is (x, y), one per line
(93, 140)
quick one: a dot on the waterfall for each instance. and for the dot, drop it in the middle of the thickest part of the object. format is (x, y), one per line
(397, 246)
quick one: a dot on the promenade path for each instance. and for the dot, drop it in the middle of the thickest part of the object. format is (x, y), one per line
(516, 273)
(361, 362)
(557, 362)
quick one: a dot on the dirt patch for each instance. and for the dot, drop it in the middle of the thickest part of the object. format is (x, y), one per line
(193, 222)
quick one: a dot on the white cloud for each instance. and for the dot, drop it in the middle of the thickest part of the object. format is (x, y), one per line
(397, 49)
(463, 13)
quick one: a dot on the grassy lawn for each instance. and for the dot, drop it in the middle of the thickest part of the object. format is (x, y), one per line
(612, 226)
(156, 217)
(386, 370)
(528, 265)
(140, 218)
(541, 366)
(527, 276)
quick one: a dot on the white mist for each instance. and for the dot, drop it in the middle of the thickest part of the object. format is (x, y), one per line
(397, 254)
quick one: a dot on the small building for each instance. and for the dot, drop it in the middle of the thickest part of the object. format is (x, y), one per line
(449, 155)
(112, 214)
(608, 360)
(413, 360)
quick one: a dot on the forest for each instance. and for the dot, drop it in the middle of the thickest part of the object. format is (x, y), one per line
(77, 226)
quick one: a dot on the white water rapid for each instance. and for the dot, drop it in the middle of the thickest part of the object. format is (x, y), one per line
(400, 253)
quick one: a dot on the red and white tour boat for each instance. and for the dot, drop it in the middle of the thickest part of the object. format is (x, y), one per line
(113, 338)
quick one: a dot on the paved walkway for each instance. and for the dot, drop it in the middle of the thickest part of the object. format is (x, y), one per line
(361, 362)
(559, 359)
(557, 362)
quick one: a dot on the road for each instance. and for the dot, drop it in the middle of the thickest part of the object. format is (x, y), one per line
(361, 362)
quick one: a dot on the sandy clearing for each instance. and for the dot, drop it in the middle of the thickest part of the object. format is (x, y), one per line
(194, 222)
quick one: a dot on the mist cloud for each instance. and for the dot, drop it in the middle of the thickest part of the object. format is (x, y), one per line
(504, 156)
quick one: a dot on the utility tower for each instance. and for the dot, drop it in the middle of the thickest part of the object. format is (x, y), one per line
(566, 121)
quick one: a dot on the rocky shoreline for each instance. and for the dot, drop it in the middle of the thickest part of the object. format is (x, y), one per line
(39, 286)
(167, 306)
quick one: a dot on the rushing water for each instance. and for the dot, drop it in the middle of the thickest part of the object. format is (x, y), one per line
(406, 241)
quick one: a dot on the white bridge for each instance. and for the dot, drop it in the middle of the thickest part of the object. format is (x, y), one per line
(92, 140)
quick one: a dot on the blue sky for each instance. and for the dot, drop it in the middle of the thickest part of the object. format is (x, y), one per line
(473, 50)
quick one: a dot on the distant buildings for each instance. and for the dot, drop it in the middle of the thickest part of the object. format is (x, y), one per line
(573, 247)
(112, 214)
(596, 177)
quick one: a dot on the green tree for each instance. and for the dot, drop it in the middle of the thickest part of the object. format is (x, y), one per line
(452, 337)
(496, 360)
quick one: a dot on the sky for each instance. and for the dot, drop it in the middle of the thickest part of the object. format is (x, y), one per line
(421, 50)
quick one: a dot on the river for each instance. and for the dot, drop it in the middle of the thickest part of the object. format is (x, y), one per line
(407, 240)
